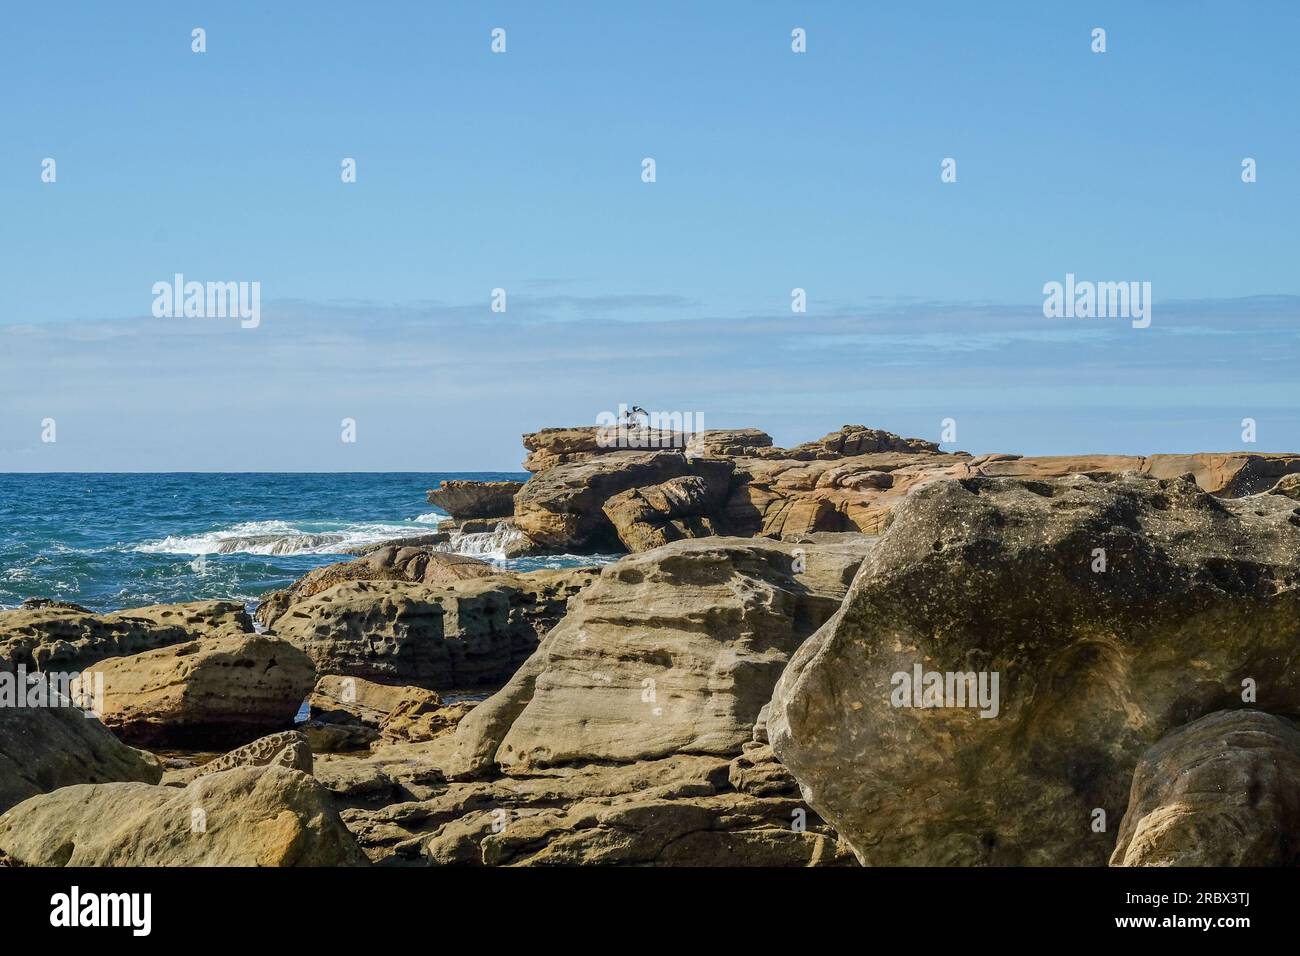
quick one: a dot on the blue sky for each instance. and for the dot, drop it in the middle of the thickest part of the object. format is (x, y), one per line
(522, 171)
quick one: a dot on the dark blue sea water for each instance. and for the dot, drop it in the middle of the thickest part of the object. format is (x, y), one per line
(117, 541)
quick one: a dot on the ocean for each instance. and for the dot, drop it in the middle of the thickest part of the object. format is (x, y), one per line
(112, 541)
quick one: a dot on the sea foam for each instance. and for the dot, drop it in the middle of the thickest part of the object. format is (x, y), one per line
(277, 538)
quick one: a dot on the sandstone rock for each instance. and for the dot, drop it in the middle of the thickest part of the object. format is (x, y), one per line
(558, 446)
(760, 724)
(554, 446)
(561, 508)
(390, 772)
(410, 541)
(824, 491)
(44, 748)
(59, 636)
(215, 692)
(328, 738)
(355, 782)
(458, 636)
(1289, 486)
(593, 775)
(1228, 475)
(786, 497)
(388, 563)
(730, 443)
(476, 499)
(849, 480)
(339, 699)
(578, 471)
(286, 749)
(656, 515)
(1055, 466)
(853, 440)
(997, 576)
(673, 651)
(397, 712)
(730, 830)
(418, 720)
(37, 603)
(246, 816)
(200, 618)
(679, 810)
(757, 771)
(1221, 791)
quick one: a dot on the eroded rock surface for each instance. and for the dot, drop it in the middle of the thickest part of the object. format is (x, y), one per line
(680, 810)
(1221, 791)
(849, 480)
(476, 499)
(672, 651)
(58, 636)
(656, 515)
(633, 735)
(455, 636)
(561, 508)
(222, 691)
(246, 816)
(983, 575)
(288, 748)
(44, 748)
(419, 565)
(394, 712)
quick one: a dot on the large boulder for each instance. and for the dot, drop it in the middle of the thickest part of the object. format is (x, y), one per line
(58, 636)
(44, 748)
(562, 507)
(1222, 791)
(355, 700)
(395, 711)
(656, 515)
(387, 563)
(1111, 609)
(460, 635)
(476, 499)
(223, 691)
(246, 816)
(674, 651)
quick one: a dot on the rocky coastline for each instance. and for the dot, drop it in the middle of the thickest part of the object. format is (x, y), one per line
(1099, 660)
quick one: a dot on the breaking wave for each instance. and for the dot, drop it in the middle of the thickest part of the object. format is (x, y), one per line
(283, 538)
(490, 545)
